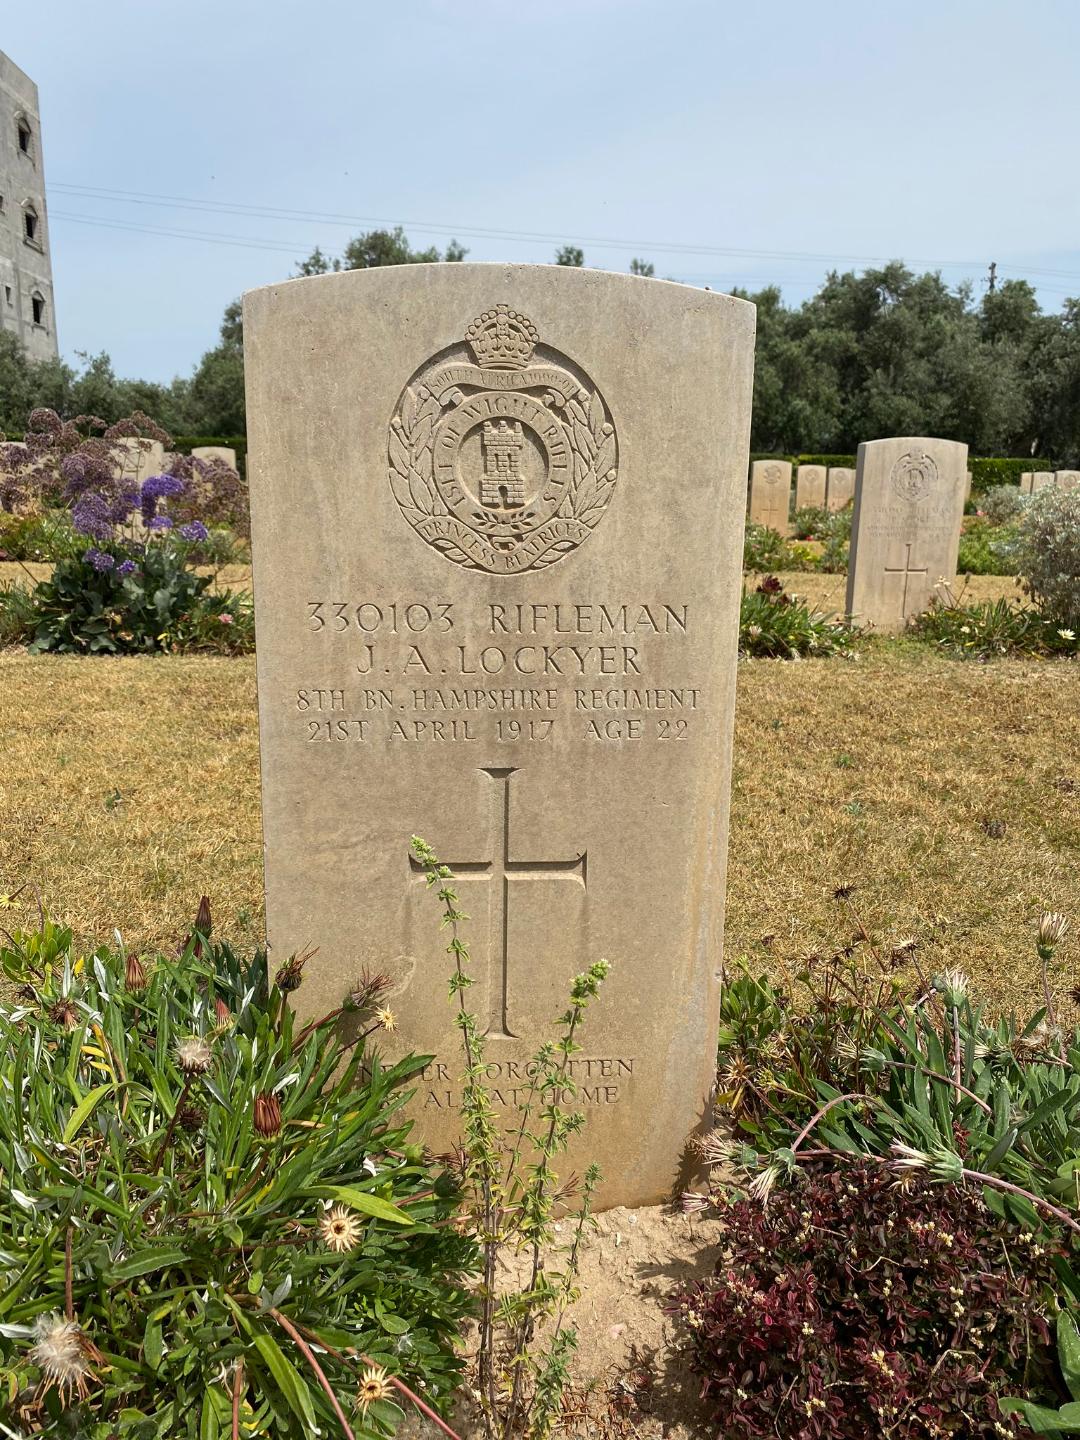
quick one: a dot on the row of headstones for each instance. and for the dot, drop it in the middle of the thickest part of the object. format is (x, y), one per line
(1032, 481)
(909, 497)
(142, 458)
(816, 486)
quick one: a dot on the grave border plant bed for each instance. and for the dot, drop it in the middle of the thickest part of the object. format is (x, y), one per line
(213, 1214)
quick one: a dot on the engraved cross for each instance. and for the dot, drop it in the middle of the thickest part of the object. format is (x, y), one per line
(503, 872)
(907, 570)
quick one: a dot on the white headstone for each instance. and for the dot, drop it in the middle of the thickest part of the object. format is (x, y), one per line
(841, 489)
(497, 534)
(909, 504)
(770, 494)
(810, 486)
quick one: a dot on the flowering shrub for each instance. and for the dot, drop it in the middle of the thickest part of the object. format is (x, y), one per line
(1047, 554)
(810, 522)
(213, 493)
(774, 624)
(1002, 504)
(766, 550)
(992, 628)
(214, 1221)
(854, 1306)
(132, 586)
(852, 1067)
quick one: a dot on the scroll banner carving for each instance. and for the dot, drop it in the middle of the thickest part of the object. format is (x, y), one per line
(502, 468)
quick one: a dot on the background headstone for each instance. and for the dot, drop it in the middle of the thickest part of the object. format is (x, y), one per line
(909, 504)
(967, 485)
(497, 535)
(215, 452)
(138, 458)
(1067, 479)
(770, 494)
(809, 486)
(1040, 479)
(841, 489)
(1025, 483)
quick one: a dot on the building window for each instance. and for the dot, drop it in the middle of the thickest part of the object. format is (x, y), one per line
(7, 294)
(25, 136)
(37, 308)
(30, 224)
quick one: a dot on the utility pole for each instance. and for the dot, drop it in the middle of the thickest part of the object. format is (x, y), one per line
(993, 276)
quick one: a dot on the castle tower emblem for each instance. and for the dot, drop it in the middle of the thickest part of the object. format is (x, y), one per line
(503, 455)
(502, 483)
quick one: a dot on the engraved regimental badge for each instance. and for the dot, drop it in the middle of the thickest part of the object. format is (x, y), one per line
(503, 455)
(914, 475)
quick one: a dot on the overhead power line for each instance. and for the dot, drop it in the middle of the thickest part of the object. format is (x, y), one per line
(672, 247)
(242, 241)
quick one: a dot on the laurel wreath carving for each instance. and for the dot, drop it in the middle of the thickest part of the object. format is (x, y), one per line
(589, 433)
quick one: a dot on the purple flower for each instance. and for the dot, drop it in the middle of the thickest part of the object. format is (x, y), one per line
(159, 522)
(196, 530)
(155, 488)
(125, 568)
(92, 515)
(100, 559)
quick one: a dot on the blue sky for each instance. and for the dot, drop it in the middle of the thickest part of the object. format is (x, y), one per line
(729, 143)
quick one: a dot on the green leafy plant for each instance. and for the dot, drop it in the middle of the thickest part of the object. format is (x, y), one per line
(513, 1195)
(38, 535)
(992, 628)
(157, 602)
(1002, 504)
(933, 1086)
(16, 615)
(983, 547)
(810, 522)
(214, 1219)
(776, 625)
(836, 541)
(1066, 1420)
(1047, 554)
(765, 550)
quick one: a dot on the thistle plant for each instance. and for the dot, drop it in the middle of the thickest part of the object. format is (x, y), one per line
(524, 1341)
(213, 1222)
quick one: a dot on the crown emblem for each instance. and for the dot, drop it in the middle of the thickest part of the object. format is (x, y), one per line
(501, 339)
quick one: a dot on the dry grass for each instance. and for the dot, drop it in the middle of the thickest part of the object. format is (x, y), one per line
(128, 787)
(827, 592)
(28, 572)
(824, 592)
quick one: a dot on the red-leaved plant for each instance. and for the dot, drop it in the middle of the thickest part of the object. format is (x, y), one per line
(855, 1304)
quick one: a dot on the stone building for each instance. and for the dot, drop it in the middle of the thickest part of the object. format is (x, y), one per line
(26, 288)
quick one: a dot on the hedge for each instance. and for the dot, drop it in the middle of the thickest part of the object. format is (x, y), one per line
(989, 471)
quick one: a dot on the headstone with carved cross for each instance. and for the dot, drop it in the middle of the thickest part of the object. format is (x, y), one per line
(770, 494)
(905, 530)
(841, 490)
(1067, 479)
(497, 533)
(810, 486)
